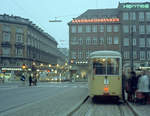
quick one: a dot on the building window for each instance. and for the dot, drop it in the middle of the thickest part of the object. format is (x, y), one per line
(125, 16)
(116, 40)
(101, 27)
(109, 28)
(147, 16)
(142, 42)
(94, 40)
(73, 28)
(148, 29)
(19, 52)
(88, 41)
(88, 28)
(126, 55)
(141, 29)
(6, 36)
(79, 28)
(148, 55)
(126, 42)
(142, 55)
(116, 28)
(141, 16)
(80, 55)
(73, 54)
(125, 28)
(5, 51)
(80, 40)
(109, 40)
(87, 53)
(134, 41)
(132, 16)
(134, 54)
(19, 37)
(148, 42)
(94, 28)
(74, 41)
(101, 40)
(133, 27)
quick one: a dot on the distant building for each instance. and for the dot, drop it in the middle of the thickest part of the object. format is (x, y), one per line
(22, 42)
(110, 29)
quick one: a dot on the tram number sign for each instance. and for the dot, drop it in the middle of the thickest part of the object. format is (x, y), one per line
(106, 81)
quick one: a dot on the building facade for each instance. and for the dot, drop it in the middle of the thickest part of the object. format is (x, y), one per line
(22, 42)
(111, 29)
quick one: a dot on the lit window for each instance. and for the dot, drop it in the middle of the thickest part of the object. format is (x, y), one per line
(116, 40)
(142, 55)
(126, 42)
(142, 42)
(125, 16)
(141, 16)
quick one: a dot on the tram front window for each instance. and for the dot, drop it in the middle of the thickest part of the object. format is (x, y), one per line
(113, 66)
(99, 66)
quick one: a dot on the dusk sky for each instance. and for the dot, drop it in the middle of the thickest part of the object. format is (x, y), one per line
(41, 11)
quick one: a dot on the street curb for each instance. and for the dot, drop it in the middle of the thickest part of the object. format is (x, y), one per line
(133, 109)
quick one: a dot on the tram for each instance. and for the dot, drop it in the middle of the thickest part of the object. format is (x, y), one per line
(105, 75)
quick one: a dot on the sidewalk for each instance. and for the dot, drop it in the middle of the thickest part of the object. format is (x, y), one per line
(11, 84)
(141, 110)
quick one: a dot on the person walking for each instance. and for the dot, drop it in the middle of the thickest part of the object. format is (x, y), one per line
(143, 86)
(30, 80)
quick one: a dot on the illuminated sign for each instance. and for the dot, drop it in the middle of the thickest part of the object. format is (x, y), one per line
(95, 20)
(13, 69)
(136, 6)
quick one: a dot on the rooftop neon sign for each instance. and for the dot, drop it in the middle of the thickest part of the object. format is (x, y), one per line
(95, 20)
(136, 6)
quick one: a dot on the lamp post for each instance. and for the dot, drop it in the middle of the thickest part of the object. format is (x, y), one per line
(131, 42)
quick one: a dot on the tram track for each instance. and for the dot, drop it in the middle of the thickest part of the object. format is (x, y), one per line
(88, 108)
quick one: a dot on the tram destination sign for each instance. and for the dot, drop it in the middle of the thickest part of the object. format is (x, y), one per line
(136, 6)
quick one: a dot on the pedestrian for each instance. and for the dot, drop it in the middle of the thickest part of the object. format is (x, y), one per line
(134, 81)
(30, 80)
(123, 85)
(143, 86)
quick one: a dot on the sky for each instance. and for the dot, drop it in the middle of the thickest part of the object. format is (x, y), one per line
(41, 11)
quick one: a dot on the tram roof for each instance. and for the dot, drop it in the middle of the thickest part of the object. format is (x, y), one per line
(105, 53)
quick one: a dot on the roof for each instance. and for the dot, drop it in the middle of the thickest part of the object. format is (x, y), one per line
(99, 13)
(104, 53)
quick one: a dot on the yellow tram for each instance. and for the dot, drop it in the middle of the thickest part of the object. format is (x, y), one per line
(105, 75)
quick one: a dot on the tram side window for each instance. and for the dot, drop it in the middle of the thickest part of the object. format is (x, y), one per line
(99, 68)
(113, 66)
